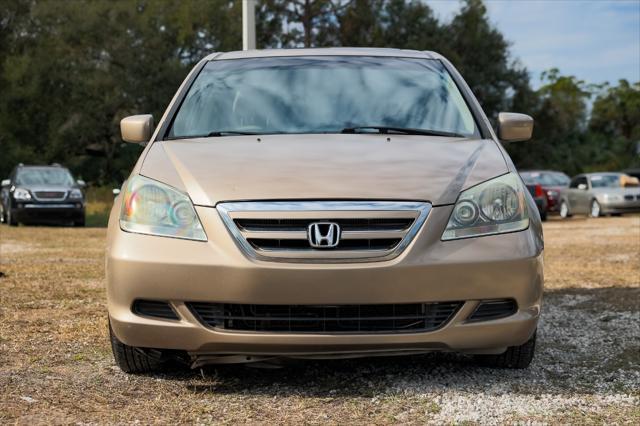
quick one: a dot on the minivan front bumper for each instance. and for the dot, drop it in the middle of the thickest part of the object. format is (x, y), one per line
(34, 212)
(507, 266)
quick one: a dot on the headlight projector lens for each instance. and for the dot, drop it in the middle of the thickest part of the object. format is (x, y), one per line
(466, 212)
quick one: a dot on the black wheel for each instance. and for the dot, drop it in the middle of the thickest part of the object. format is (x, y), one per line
(11, 219)
(79, 223)
(134, 360)
(514, 357)
(564, 210)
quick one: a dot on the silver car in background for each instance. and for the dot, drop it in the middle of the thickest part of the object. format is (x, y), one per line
(598, 194)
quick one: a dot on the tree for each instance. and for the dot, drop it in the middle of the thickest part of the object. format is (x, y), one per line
(76, 68)
(615, 123)
(70, 70)
(481, 53)
(360, 24)
(310, 23)
(560, 121)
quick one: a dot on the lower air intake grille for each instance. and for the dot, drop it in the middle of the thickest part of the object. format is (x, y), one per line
(154, 308)
(415, 317)
(494, 309)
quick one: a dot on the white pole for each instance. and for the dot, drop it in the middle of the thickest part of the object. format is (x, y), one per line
(248, 24)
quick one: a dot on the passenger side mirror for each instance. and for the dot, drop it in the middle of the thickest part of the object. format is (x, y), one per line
(81, 183)
(115, 192)
(5, 182)
(137, 128)
(582, 186)
(514, 127)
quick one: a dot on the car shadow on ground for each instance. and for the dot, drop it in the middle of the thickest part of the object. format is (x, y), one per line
(585, 345)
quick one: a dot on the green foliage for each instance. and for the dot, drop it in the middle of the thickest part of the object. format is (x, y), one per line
(70, 70)
(73, 69)
(615, 125)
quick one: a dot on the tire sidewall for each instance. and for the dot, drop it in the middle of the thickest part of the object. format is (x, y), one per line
(598, 212)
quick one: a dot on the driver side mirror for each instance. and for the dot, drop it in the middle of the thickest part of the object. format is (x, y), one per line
(81, 183)
(514, 127)
(582, 186)
(5, 182)
(137, 128)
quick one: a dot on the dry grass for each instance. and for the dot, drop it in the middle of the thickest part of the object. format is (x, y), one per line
(588, 253)
(56, 365)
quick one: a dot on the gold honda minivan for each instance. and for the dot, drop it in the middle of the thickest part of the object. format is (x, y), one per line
(323, 203)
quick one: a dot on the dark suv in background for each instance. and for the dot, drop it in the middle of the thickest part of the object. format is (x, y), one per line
(42, 194)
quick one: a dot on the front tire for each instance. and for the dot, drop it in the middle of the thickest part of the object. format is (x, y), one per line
(595, 211)
(131, 359)
(564, 210)
(515, 357)
(11, 219)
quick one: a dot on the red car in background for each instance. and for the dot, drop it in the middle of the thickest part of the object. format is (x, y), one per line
(550, 182)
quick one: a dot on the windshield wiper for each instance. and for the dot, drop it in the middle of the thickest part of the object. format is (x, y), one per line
(229, 132)
(212, 134)
(401, 130)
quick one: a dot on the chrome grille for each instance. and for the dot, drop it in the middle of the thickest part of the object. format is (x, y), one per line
(50, 195)
(278, 231)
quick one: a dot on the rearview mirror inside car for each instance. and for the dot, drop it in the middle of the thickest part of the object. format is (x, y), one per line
(513, 127)
(137, 128)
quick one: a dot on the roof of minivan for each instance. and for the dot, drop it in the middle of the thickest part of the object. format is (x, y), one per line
(330, 51)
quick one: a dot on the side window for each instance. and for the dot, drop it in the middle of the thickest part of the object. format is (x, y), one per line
(584, 181)
(574, 182)
(577, 181)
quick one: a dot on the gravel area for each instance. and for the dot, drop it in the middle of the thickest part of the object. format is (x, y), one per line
(56, 365)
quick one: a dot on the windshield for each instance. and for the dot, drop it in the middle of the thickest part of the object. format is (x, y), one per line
(322, 94)
(605, 181)
(546, 178)
(44, 176)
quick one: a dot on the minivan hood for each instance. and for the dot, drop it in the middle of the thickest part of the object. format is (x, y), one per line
(323, 166)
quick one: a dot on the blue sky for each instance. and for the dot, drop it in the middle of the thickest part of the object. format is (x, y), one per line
(595, 40)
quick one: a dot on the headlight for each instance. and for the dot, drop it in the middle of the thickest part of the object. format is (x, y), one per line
(153, 208)
(493, 207)
(21, 194)
(75, 194)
